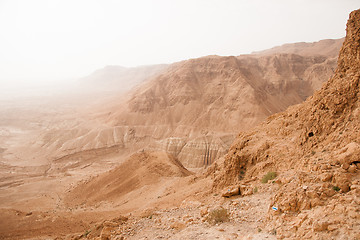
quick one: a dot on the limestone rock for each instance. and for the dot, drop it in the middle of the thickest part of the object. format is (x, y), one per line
(231, 192)
(178, 225)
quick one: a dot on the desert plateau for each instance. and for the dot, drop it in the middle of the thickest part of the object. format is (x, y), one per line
(255, 146)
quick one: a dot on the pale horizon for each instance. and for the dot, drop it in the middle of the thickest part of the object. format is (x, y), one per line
(45, 42)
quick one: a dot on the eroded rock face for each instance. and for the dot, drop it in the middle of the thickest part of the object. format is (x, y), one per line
(198, 152)
(314, 148)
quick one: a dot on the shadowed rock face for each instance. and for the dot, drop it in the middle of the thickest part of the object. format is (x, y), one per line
(314, 148)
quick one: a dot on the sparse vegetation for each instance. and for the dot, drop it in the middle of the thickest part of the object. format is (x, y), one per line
(86, 233)
(268, 176)
(273, 232)
(255, 190)
(336, 188)
(218, 215)
(241, 174)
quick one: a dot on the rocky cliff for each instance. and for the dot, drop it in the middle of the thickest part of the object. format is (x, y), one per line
(314, 148)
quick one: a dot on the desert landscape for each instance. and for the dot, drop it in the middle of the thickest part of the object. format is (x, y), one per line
(257, 146)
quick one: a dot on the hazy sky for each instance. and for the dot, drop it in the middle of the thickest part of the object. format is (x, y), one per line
(50, 40)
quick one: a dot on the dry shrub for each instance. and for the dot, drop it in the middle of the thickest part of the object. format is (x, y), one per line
(218, 215)
(268, 176)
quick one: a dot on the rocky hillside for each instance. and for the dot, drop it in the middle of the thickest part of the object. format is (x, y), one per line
(222, 94)
(314, 149)
(201, 102)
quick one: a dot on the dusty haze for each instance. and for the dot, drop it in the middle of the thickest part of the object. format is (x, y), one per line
(116, 123)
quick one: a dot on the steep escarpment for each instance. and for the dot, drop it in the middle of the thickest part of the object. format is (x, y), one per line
(315, 149)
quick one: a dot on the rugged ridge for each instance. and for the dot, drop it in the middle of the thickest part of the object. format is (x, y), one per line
(315, 149)
(222, 93)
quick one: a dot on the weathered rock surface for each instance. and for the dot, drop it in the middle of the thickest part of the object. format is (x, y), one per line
(198, 152)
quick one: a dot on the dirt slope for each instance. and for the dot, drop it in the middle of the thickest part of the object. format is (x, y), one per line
(140, 170)
(315, 149)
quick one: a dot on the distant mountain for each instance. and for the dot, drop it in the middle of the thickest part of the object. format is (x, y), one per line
(118, 78)
(328, 47)
(223, 94)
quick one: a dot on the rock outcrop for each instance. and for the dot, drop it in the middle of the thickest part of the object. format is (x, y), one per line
(198, 152)
(314, 148)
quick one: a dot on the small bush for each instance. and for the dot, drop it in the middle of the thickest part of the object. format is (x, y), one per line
(241, 174)
(255, 190)
(268, 176)
(218, 216)
(336, 188)
(86, 233)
